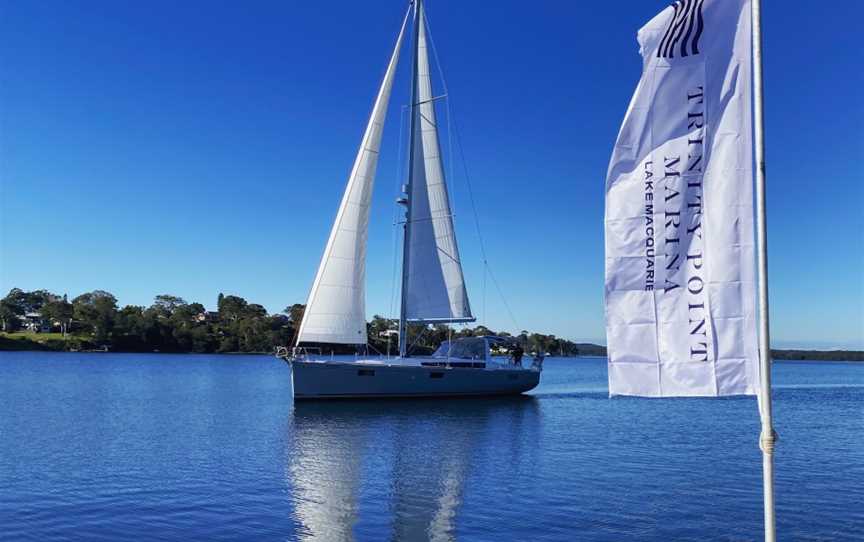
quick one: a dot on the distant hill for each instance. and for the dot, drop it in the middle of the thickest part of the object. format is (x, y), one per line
(589, 349)
(819, 355)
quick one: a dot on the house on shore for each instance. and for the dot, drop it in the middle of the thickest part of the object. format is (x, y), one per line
(33, 321)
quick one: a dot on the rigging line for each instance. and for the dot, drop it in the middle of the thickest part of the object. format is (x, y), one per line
(398, 172)
(451, 190)
(435, 52)
(446, 96)
(423, 330)
(452, 177)
(372, 346)
(409, 185)
(485, 321)
(395, 228)
(482, 243)
(453, 133)
(455, 129)
(501, 294)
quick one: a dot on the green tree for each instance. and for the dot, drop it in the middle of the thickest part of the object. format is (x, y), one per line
(188, 330)
(482, 330)
(281, 333)
(295, 314)
(166, 304)
(231, 308)
(29, 301)
(35, 300)
(188, 314)
(132, 329)
(228, 343)
(202, 340)
(59, 310)
(97, 310)
(11, 307)
(254, 310)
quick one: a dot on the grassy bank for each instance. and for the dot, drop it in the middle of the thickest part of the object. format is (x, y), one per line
(27, 340)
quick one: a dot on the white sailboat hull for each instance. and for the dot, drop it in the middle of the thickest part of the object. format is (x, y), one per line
(362, 379)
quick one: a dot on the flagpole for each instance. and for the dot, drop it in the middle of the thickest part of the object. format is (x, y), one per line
(768, 436)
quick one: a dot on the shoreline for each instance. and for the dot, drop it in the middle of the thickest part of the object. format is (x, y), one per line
(811, 356)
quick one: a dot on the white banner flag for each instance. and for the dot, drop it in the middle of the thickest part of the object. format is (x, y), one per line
(680, 258)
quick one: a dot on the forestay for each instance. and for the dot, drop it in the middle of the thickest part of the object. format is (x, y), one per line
(434, 286)
(336, 308)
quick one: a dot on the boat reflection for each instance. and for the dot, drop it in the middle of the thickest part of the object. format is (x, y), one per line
(358, 469)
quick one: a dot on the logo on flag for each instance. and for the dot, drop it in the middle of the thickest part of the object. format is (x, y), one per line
(684, 30)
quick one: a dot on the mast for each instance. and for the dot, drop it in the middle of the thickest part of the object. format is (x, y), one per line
(768, 436)
(406, 230)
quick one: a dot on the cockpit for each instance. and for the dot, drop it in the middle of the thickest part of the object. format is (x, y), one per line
(473, 348)
(473, 352)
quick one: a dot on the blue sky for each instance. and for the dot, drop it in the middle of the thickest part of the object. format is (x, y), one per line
(198, 147)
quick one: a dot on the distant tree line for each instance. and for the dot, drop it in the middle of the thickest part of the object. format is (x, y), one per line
(424, 339)
(171, 324)
(819, 355)
(94, 321)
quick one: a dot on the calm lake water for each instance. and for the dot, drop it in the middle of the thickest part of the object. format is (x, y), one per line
(165, 447)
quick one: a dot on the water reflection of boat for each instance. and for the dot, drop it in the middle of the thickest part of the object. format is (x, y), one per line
(396, 469)
(324, 472)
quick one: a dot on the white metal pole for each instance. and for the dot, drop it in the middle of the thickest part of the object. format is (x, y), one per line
(768, 436)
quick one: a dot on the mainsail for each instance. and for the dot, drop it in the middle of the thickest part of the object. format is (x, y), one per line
(336, 308)
(434, 287)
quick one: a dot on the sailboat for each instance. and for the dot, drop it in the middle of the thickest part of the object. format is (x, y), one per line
(432, 287)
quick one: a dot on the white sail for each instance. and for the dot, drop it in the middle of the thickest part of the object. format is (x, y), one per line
(434, 286)
(336, 308)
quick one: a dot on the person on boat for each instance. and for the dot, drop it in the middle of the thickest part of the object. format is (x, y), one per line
(517, 354)
(538, 359)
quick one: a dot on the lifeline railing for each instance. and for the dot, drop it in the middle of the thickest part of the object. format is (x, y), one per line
(298, 352)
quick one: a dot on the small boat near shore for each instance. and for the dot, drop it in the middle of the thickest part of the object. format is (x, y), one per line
(432, 289)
